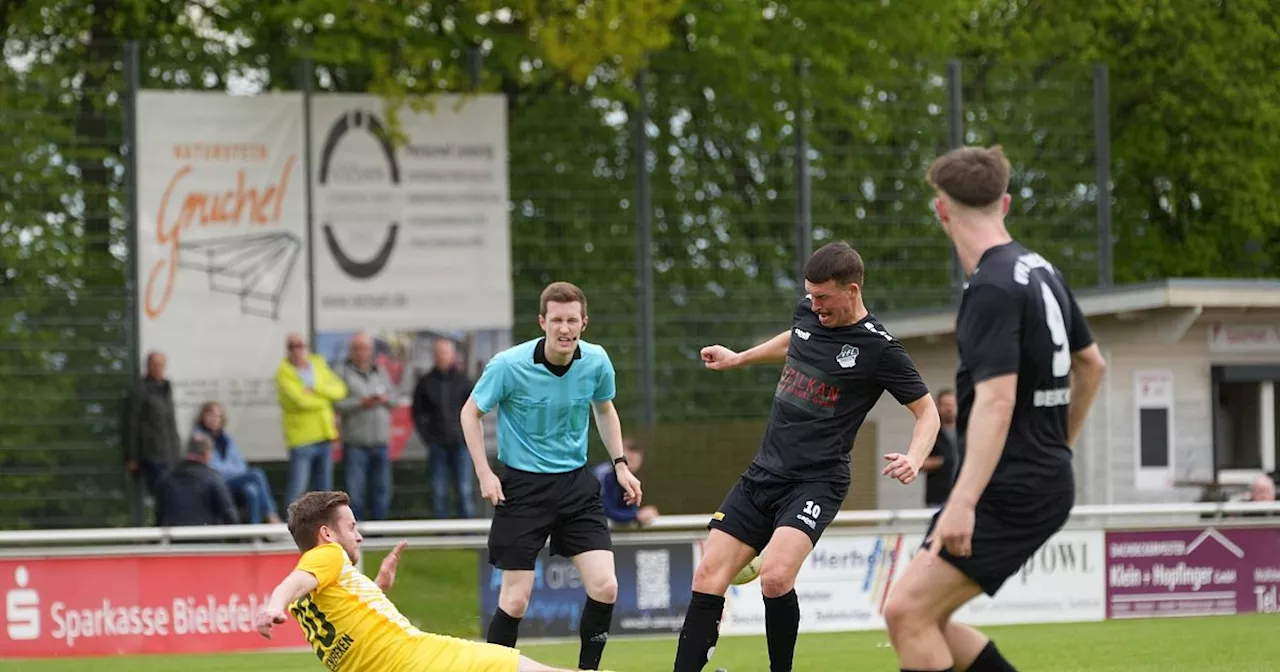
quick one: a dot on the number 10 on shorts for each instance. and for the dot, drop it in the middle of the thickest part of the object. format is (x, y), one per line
(810, 514)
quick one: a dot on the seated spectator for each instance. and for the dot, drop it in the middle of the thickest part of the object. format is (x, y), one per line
(1263, 490)
(248, 485)
(193, 493)
(616, 508)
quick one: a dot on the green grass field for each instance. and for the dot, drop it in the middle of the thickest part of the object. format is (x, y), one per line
(437, 591)
(1220, 644)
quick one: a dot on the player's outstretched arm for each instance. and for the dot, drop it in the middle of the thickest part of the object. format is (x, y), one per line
(294, 586)
(1087, 368)
(772, 351)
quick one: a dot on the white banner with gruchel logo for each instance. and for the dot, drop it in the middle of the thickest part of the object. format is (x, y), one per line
(846, 579)
(222, 240)
(411, 223)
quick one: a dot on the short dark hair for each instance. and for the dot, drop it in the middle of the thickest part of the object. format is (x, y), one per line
(311, 512)
(946, 391)
(835, 261)
(972, 176)
(562, 292)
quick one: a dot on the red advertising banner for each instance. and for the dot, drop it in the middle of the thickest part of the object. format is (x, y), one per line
(1193, 572)
(140, 604)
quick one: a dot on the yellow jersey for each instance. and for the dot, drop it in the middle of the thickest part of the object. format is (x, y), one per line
(354, 627)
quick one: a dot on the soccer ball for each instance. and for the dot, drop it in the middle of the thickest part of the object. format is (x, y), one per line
(748, 573)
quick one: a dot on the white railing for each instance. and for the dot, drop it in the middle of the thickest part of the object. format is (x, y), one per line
(473, 533)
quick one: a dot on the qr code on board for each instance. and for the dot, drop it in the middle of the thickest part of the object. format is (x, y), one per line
(653, 579)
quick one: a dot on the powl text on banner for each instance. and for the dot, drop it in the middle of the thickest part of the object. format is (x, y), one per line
(121, 605)
(222, 241)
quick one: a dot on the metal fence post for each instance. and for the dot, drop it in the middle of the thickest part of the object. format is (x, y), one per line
(475, 67)
(804, 188)
(133, 82)
(307, 76)
(1102, 166)
(955, 139)
(644, 254)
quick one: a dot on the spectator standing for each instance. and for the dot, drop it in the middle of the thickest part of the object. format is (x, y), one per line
(438, 398)
(366, 429)
(306, 389)
(248, 485)
(152, 446)
(616, 508)
(193, 493)
(940, 466)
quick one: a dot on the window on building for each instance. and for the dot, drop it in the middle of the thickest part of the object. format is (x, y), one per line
(1153, 428)
(1246, 440)
(1153, 432)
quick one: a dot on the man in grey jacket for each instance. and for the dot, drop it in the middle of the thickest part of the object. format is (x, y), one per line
(366, 428)
(152, 446)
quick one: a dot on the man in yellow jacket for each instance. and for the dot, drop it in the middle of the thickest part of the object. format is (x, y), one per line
(306, 388)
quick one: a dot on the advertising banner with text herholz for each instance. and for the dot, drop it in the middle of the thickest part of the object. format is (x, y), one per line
(845, 581)
(222, 238)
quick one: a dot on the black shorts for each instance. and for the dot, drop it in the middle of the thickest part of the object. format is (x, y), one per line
(565, 507)
(760, 503)
(1008, 529)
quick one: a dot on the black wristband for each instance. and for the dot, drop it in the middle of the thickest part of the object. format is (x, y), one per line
(620, 460)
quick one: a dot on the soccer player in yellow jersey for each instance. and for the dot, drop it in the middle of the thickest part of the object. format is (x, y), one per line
(348, 618)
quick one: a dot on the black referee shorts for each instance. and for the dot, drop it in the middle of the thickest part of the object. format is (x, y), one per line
(1008, 529)
(760, 503)
(565, 507)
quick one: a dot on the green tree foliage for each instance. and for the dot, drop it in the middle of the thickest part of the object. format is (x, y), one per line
(1193, 116)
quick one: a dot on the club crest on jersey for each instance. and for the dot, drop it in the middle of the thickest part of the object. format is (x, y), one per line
(848, 356)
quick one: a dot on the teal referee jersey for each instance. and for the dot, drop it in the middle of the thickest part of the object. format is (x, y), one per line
(544, 411)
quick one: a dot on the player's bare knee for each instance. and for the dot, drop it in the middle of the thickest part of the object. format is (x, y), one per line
(776, 580)
(713, 576)
(514, 604)
(901, 617)
(603, 589)
(514, 596)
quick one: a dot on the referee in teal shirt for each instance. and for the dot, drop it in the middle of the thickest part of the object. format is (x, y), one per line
(545, 391)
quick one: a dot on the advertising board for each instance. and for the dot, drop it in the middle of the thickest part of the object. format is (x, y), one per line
(653, 591)
(1193, 572)
(123, 605)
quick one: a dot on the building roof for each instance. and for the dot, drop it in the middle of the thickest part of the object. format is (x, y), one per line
(1193, 293)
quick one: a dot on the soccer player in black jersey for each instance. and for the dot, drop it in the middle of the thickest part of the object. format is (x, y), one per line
(837, 362)
(1028, 373)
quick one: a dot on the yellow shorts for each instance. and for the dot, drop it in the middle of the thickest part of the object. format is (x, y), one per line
(440, 653)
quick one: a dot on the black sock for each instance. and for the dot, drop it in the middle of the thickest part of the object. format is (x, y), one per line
(594, 628)
(781, 623)
(990, 660)
(700, 632)
(504, 629)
